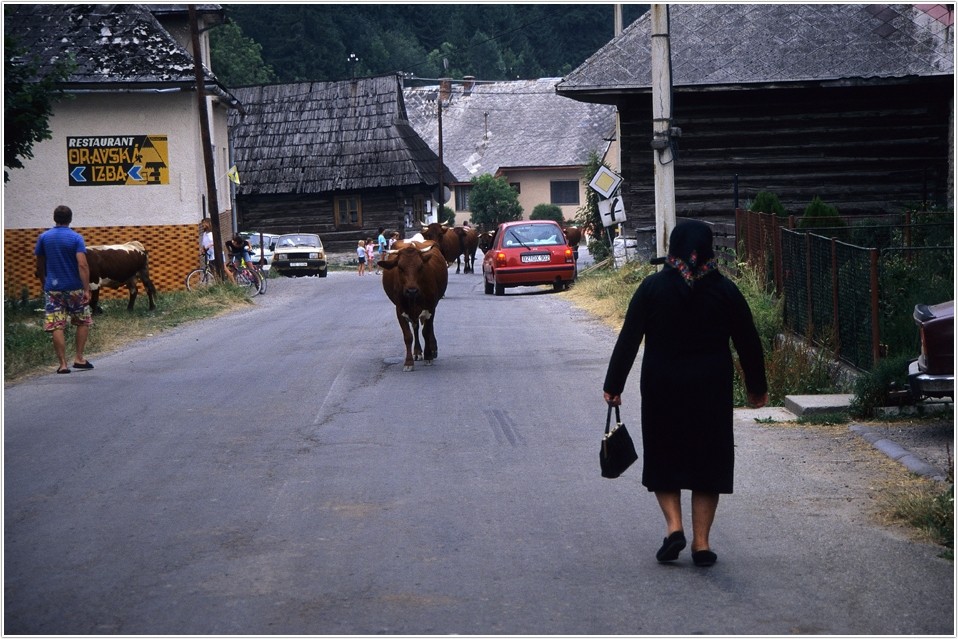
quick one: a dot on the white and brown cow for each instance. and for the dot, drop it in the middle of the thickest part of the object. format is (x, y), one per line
(415, 276)
(116, 265)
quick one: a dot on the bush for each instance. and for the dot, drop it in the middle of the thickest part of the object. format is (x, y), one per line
(766, 202)
(820, 215)
(547, 212)
(492, 201)
(871, 389)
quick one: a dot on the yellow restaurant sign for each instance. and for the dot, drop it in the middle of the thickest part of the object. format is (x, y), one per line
(119, 160)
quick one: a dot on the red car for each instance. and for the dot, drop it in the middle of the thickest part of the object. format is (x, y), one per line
(933, 373)
(528, 253)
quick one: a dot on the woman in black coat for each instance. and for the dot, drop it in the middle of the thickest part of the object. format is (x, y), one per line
(687, 313)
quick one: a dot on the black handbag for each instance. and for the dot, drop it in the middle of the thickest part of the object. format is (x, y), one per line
(617, 452)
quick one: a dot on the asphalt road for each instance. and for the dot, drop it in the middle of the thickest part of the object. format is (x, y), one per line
(275, 472)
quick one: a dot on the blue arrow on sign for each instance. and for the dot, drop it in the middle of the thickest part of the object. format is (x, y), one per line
(77, 174)
(134, 172)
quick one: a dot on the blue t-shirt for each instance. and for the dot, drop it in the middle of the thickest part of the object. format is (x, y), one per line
(60, 246)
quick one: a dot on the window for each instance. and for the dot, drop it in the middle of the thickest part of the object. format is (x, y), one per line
(462, 198)
(348, 211)
(564, 191)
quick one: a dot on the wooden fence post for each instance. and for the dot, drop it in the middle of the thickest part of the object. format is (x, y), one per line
(876, 337)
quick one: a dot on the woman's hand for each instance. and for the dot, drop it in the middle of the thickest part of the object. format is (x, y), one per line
(612, 400)
(757, 401)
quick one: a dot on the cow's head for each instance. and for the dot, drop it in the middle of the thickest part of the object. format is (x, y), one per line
(434, 231)
(409, 261)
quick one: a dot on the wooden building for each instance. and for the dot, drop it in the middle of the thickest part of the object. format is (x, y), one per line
(335, 158)
(852, 103)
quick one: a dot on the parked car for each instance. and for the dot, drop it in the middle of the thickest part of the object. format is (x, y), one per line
(296, 254)
(933, 373)
(528, 253)
(266, 253)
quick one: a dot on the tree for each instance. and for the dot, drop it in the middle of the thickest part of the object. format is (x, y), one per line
(28, 99)
(236, 59)
(547, 212)
(492, 201)
(588, 216)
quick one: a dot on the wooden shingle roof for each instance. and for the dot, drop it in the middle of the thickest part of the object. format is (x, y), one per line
(316, 137)
(755, 44)
(498, 125)
(114, 45)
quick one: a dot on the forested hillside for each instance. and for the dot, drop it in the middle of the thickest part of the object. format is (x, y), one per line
(286, 43)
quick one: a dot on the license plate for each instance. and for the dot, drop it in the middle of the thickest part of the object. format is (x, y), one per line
(537, 257)
(295, 264)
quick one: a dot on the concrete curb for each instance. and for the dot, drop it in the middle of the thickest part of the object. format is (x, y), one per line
(901, 455)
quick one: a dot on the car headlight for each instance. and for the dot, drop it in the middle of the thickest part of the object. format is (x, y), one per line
(280, 256)
(314, 256)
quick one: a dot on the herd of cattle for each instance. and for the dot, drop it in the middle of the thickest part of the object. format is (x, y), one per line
(415, 275)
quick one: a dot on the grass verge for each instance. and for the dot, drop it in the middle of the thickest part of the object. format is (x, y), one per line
(28, 349)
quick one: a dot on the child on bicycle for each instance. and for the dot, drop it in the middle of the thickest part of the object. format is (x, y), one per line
(240, 251)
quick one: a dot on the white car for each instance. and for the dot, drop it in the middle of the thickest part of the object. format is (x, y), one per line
(269, 242)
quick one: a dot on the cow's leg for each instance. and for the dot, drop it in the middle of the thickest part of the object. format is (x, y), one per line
(131, 286)
(148, 285)
(417, 349)
(457, 264)
(95, 301)
(407, 339)
(429, 336)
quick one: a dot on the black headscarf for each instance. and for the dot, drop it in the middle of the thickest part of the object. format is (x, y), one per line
(691, 252)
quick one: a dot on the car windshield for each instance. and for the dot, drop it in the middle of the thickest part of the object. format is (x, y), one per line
(292, 241)
(254, 240)
(533, 235)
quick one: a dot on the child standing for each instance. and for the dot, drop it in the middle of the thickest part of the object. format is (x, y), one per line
(361, 257)
(371, 254)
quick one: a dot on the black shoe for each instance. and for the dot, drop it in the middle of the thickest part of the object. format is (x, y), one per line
(704, 558)
(671, 547)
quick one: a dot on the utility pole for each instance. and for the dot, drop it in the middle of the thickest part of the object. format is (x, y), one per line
(663, 158)
(207, 145)
(439, 193)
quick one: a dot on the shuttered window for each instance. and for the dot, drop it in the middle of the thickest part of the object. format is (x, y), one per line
(349, 212)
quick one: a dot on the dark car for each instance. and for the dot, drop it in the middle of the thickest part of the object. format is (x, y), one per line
(933, 373)
(528, 253)
(297, 254)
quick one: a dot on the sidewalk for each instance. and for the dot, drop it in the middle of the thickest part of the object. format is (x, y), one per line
(925, 447)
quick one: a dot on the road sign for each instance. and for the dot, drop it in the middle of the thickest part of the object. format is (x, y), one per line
(120, 160)
(605, 181)
(612, 211)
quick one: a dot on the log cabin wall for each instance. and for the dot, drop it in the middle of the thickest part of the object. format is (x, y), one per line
(313, 213)
(863, 149)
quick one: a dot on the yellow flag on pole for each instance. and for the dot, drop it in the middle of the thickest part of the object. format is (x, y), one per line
(233, 175)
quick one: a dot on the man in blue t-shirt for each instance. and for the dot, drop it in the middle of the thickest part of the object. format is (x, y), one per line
(63, 269)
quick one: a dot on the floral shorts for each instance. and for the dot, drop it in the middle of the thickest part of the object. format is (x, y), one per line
(63, 304)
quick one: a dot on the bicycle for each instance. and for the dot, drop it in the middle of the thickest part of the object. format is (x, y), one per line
(200, 278)
(246, 276)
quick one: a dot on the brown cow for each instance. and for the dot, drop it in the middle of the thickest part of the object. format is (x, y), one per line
(485, 241)
(573, 235)
(115, 265)
(415, 275)
(454, 242)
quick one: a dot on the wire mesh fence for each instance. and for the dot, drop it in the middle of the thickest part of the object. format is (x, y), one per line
(852, 288)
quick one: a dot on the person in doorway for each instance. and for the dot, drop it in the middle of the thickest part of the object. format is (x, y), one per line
(686, 313)
(61, 266)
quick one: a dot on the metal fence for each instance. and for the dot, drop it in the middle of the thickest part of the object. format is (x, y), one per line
(853, 288)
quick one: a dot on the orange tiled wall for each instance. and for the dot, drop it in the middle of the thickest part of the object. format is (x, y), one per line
(173, 250)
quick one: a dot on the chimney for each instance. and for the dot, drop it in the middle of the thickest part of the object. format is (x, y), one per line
(445, 88)
(468, 81)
